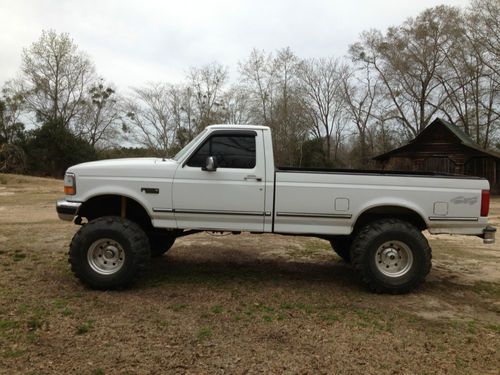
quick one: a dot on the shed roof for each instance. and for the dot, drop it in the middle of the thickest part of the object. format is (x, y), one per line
(455, 131)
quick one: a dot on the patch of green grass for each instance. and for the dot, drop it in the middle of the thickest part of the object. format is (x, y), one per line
(34, 323)
(178, 307)
(330, 317)
(460, 363)
(267, 309)
(32, 336)
(237, 317)
(85, 327)
(305, 307)
(370, 318)
(162, 323)
(471, 327)
(286, 306)
(317, 246)
(59, 303)
(6, 325)
(18, 256)
(98, 371)
(217, 309)
(12, 353)
(489, 288)
(494, 327)
(204, 333)
(67, 311)
(267, 318)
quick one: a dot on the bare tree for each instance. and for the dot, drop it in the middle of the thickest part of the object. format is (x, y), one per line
(321, 86)
(407, 59)
(258, 78)
(100, 123)
(236, 106)
(11, 107)
(207, 84)
(54, 77)
(151, 116)
(473, 90)
(272, 87)
(484, 26)
(361, 94)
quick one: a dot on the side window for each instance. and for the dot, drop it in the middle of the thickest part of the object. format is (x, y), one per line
(200, 157)
(231, 151)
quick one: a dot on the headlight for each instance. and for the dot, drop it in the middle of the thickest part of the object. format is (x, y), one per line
(69, 184)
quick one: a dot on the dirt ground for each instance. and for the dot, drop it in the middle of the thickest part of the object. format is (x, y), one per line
(236, 304)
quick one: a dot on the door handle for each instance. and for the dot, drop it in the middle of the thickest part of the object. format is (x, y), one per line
(253, 177)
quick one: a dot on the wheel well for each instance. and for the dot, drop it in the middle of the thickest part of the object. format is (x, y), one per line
(111, 205)
(382, 212)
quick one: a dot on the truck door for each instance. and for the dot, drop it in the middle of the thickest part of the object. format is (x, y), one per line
(229, 196)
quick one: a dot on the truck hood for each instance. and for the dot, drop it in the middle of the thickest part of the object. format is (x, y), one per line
(131, 167)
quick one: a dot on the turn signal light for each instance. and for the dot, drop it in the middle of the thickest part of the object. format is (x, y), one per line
(69, 184)
(485, 202)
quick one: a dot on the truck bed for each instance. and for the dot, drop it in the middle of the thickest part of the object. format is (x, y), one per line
(329, 201)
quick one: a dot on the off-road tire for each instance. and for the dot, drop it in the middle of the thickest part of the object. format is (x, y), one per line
(127, 234)
(342, 246)
(371, 239)
(160, 243)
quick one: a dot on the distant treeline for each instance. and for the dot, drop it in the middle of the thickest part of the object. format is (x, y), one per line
(323, 111)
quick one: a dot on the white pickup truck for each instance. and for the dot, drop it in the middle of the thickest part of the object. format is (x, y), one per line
(225, 180)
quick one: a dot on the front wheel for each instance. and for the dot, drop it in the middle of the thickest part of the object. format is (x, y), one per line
(109, 252)
(391, 256)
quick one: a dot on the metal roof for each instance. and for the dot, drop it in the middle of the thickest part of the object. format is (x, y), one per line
(455, 130)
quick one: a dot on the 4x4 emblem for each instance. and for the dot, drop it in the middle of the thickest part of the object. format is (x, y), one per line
(463, 200)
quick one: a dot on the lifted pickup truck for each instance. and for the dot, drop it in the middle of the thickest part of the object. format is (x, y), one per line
(225, 180)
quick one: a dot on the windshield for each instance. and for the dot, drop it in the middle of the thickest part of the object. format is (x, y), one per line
(185, 149)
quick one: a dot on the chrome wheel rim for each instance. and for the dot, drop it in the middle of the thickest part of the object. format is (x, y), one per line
(106, 256)
(393, 258)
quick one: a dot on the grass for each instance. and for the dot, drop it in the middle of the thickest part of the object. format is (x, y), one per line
(12, 353)
(8, 325)
(231, 300)
(178, 307)
(217, 309)
(494, 327)
(34, 323)
(85, 327)
(487, 288)
(18, 256)
(66, 311)
(204, 333)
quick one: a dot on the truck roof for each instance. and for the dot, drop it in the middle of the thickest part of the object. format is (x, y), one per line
(233, 126)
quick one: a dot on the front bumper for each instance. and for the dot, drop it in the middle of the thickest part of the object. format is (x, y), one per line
(489, 234)
(67, 210)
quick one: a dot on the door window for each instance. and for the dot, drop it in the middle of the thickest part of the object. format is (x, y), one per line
(231, 151)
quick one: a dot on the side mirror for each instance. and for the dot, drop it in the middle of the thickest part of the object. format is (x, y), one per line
(210, 164)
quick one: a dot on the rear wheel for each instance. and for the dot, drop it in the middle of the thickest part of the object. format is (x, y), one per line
(342, 246)
(391, 256)
(109, 252)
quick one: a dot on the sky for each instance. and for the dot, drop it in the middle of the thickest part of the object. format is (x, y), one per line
(134, 42)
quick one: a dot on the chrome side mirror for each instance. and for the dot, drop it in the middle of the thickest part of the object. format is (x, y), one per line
(210, 164)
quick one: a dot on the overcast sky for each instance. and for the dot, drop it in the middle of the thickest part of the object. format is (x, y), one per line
(132, 42)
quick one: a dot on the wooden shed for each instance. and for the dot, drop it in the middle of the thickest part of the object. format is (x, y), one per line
(444, 148)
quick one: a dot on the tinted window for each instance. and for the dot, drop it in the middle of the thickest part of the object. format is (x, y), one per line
(231, 151)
